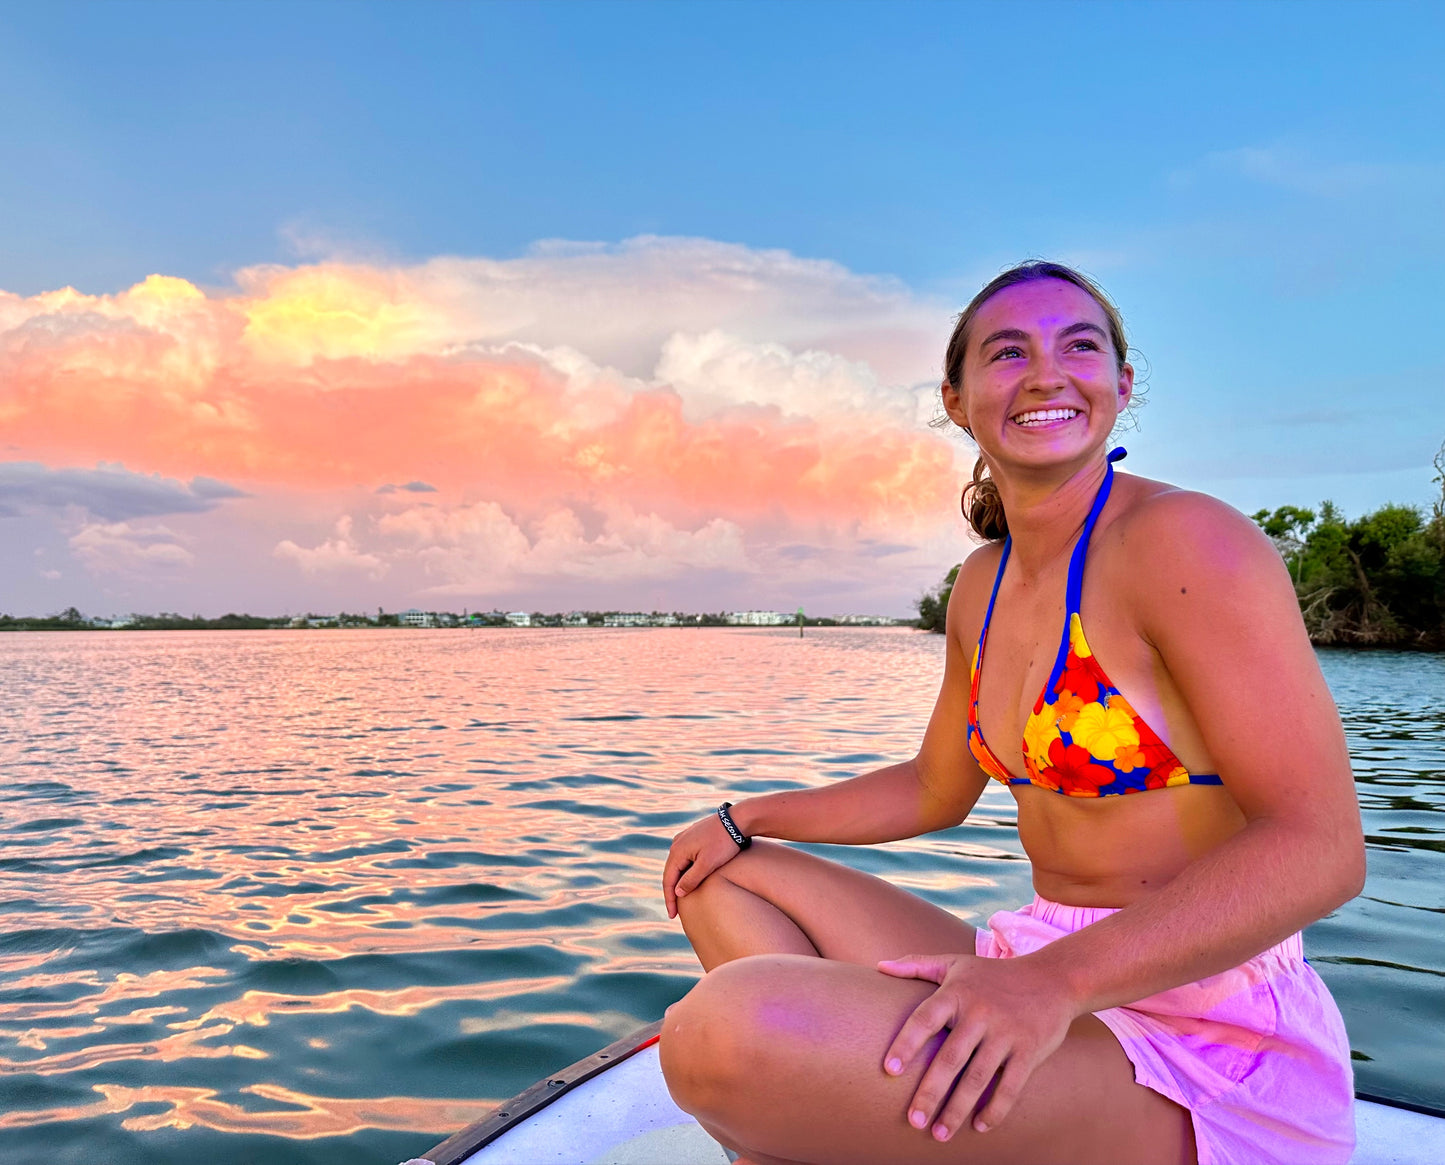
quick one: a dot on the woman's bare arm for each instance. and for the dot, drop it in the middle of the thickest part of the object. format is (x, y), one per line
(934, 790)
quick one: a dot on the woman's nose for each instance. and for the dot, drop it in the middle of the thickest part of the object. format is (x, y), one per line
(1045, 373)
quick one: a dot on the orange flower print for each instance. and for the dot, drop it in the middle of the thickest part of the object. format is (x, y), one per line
(985, 759)
(1066, 710)
(1127, 758)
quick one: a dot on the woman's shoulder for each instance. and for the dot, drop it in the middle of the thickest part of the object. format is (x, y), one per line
(1168, 540)
(972, 587)
(1187, 524)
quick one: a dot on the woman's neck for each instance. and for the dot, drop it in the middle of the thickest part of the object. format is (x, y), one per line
(1046, 512)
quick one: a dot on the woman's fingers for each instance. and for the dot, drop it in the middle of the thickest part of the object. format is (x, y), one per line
(678, 862)
(983, 1064)
(1011, 1080)
(953, 1056)
(928, 1019)
(692, 878)
(930, 967)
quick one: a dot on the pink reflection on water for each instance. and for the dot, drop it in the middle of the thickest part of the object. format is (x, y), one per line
(483, 815)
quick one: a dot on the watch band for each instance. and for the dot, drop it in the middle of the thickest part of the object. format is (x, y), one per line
(733, 831)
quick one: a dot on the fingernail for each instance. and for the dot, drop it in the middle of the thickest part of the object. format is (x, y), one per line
(894, 1066)
(917, 1119)
(979, 1126)
(940, 1132)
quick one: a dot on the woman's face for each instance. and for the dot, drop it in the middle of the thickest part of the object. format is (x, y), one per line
(1042, 384)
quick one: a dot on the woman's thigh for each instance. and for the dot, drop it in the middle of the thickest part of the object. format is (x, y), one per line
(783, 1055)
(846, 914)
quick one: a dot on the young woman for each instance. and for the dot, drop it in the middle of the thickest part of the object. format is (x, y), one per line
(1129, 659)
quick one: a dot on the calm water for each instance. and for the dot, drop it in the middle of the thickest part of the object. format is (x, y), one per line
(326, 896)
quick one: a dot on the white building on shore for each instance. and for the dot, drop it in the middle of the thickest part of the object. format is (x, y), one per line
(757, 618)
(519, 619)
(626, 619)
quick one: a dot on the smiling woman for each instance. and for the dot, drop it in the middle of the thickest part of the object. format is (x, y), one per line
(1152, 1003)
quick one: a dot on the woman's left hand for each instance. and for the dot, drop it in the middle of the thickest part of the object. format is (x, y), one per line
(1005, 1021)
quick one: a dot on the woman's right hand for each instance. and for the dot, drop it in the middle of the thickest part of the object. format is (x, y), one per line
(696, 852)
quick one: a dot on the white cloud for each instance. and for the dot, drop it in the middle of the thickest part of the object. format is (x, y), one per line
(479, 547)
(715, 371)
(123, 547)
(338, 555)
(619, 303)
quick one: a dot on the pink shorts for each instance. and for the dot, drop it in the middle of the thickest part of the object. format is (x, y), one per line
(1257, 1054)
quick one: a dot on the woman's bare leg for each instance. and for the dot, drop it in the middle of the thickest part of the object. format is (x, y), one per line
(783, 1055)
(771, 899)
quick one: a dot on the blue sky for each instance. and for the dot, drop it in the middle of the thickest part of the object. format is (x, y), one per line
(1259, 186)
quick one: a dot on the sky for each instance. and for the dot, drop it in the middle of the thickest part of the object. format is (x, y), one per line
(329, 306)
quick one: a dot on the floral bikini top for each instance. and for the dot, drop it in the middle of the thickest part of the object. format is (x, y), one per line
(1083, 738)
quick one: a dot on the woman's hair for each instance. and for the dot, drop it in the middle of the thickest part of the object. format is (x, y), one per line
(982, 505)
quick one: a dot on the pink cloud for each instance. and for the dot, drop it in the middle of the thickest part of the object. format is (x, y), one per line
(332, 380)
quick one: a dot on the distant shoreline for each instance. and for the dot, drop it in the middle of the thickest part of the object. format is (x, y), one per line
(441, 621)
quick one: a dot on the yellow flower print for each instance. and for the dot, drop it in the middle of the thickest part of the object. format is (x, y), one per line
(1103, 731)
(1041, 731)
(1077, 642)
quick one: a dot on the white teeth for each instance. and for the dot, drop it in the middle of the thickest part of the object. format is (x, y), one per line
(1044, 416)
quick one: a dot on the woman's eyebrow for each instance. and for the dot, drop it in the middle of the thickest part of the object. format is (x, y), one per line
(1004, 334)
(1019, 334)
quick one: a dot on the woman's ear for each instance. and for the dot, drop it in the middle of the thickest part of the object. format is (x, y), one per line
(955, 406)
(1126, 385)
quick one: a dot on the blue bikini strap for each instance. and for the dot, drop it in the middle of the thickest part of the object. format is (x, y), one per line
(997, 579)
(1075, 591)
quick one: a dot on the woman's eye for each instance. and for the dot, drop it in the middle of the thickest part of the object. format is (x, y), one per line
(1011, 350)
(1090, 344)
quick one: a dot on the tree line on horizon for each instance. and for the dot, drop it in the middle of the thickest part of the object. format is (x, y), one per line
(1376, 581)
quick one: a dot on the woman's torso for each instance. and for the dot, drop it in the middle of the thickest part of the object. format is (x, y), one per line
(1106, 850)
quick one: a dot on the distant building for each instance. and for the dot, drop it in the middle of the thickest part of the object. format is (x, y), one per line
(866, 621)
(574, 619)
(625, 619)
(757, 618)
(519, 618)
(415, 618)
(668, 620)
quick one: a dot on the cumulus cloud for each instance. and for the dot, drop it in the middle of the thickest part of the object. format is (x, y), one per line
(630, 411)
(128, 548)
(479, 547)
(617, 303)
(111, 493)
(338, 555)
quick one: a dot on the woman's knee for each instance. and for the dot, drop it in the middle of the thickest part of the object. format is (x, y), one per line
(715, 1041)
